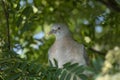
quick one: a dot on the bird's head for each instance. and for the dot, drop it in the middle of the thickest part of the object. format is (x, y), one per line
(60, 30)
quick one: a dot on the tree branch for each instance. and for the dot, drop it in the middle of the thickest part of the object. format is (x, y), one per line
(112, 4)
(96, 51)
(6, 13)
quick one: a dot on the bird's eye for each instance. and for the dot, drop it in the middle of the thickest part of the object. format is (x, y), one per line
(58, 28)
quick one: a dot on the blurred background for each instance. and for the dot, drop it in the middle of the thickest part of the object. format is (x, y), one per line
(24, 41)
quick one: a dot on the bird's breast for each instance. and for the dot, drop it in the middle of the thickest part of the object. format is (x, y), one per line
(66, 51)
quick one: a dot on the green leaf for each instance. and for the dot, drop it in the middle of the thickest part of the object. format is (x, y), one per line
(31, 67)
(16, 65)
(82, 76)
(37, 68)
(74, 78)
(68, 77)
(50, 63)
(26, 27)
(67, 64)
(27, 11)
(49, 76)
(19, 21)
(78, 70)
(57, 73)
(70, 67)
(14, 76)
(63, 75)
(56, 63)
(23, 66)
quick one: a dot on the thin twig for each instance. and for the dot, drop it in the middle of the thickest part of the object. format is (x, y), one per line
(6, 13)
(96, 51)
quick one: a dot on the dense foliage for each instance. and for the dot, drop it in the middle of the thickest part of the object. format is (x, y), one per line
(24, 42)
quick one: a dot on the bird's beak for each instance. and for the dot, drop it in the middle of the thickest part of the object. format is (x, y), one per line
(51, 32)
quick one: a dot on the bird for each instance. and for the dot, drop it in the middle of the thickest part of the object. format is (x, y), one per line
(65, 49)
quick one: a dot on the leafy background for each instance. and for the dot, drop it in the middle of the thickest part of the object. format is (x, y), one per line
(24, 42)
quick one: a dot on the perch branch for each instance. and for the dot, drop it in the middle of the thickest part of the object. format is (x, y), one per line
(96, 51)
